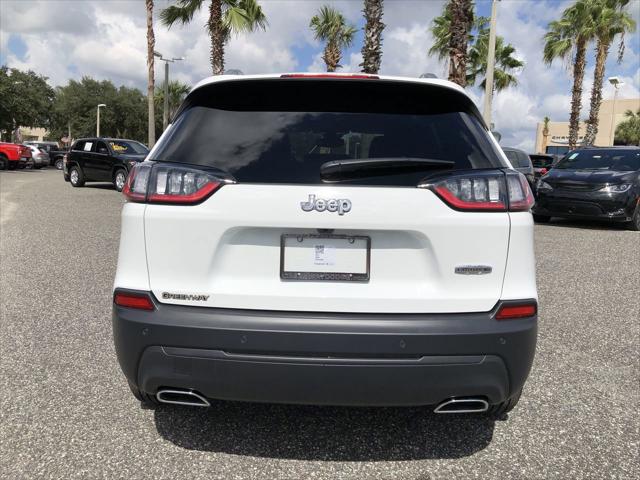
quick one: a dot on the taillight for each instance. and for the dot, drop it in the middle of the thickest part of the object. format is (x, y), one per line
(140, 301)
(516, 310)
(169, 184)
(543, 171)
(483, 191)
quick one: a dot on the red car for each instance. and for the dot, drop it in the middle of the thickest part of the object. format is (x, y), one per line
(13, 155)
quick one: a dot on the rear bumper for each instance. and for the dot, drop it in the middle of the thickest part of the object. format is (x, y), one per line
(315, 358)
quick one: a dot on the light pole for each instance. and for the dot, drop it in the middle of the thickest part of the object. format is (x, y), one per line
(488, 87)
(165, 110)
(98, 119)
(615, 81)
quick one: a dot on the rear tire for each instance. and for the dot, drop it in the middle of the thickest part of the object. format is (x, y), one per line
(58, 164)
(541, 218)
(119, 179)
(144, 398)
(76, 177)
(4, 162)
(500, 409)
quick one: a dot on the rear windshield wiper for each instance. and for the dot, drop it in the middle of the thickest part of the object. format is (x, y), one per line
(337, 170)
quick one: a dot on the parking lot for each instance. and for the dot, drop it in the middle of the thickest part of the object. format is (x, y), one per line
(66, 410)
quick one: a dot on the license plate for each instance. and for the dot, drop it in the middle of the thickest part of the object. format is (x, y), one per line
(325, 257)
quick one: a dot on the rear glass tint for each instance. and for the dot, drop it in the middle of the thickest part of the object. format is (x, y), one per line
(283, 131)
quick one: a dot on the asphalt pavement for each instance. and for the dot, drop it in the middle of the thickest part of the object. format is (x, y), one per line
(66, 411)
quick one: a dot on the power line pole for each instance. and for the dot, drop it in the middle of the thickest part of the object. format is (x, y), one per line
(491, 60)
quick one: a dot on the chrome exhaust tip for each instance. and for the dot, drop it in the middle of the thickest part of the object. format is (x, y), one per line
(462, 405)
(182, 397)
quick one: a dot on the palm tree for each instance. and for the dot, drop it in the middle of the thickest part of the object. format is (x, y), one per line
(505, 62)
(226, 17)
(177, 93)
(372, 47)
(151, 44)
(477, 48)
(545, 133)
(567, 38)
(330, 26)
(628, 131)
(610, 19)
(461, 14)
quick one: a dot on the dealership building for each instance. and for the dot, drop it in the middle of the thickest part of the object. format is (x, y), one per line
(557, 141)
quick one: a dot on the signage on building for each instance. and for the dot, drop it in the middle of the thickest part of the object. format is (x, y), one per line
(564, 139)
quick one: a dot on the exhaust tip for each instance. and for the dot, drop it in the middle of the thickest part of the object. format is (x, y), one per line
(182, 397)
(462, 405)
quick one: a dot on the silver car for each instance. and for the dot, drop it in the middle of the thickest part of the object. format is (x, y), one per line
(39, 157)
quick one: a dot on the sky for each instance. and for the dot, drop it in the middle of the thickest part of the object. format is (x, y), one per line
(106, 39)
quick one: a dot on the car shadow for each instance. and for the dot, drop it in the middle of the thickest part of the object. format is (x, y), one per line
(324, 433)
(100, 186)
(585, 224)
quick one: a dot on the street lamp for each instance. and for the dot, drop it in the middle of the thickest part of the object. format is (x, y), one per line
(98, 119)
(165, 111)
(615, 81)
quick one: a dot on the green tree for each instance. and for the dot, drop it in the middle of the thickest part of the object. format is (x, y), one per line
(610, 20)
(226, 17)
(505, 62)
(628, 131)
(177, 93)
(330, 26)
(372, 46)
(567, 39)
(75, 106)
(474, 54)
(25, 100)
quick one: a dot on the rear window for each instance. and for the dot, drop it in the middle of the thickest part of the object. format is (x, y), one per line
(541, 161)
(128, 147)
(283, 131)
(518, 159)
(616, 160)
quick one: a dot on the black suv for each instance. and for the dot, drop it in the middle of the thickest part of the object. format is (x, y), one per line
(102, 160)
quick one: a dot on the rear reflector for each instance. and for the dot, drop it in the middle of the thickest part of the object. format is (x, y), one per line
(507, 312)
(139, 301)
(331, 75)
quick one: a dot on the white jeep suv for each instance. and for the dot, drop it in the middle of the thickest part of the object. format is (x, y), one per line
(327, 239)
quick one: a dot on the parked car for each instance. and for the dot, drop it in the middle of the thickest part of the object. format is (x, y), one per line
(13, 155)
(542, 163)
(53, 149)
(327, 239)
(521, 162)
(102, 160)
(593, 183)
(39, 157)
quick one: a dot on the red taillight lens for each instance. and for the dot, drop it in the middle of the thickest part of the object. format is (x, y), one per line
(484, 191)
(543, 171)
(511, 311)
(140, 301)
(169, 184)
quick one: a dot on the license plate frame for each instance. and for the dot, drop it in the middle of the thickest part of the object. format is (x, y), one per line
(325, 276)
